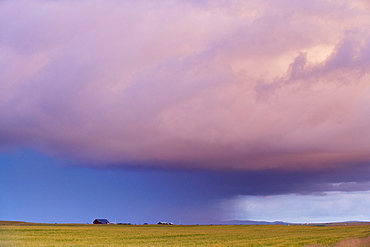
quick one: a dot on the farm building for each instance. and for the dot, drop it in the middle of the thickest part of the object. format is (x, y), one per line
(101, 221)
(165, 223)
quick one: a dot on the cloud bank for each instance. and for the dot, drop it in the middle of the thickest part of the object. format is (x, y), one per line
(236, 85)
(335, 207)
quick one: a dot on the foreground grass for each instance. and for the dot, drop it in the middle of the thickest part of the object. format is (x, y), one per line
(18, 234)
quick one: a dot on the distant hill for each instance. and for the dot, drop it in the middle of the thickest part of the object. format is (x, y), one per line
(252, 222)
(5, 222)
(229, 222)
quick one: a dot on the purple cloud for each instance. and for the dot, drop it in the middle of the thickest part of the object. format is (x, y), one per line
(245, 85)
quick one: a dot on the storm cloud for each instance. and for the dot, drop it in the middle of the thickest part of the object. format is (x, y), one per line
(200, 85)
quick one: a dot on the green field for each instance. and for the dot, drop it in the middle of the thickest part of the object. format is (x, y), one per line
(27, 234)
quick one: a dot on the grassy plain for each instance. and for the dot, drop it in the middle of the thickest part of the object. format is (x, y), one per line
(27, 234)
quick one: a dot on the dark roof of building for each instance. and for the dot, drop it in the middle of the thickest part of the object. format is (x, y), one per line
(103, 221)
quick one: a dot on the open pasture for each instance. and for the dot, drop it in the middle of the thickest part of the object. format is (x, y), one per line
(27, 234)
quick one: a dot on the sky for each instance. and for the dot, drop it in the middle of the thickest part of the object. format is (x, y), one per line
(188, 111)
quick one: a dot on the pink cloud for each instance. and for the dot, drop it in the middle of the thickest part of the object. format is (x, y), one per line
(208, 85)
